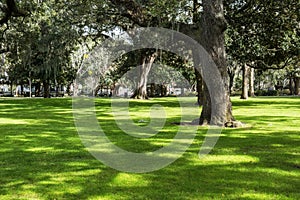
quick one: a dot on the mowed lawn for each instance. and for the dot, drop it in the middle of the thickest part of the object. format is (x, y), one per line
(42, 157)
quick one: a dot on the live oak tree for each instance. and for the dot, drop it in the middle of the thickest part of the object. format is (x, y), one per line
(207, 28)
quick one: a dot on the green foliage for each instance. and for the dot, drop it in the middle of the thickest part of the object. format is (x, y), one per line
(266, 93)
(40, 45)
(43, 43)
(263, 34)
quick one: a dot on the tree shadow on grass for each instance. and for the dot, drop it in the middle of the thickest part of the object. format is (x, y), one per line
(43, 158)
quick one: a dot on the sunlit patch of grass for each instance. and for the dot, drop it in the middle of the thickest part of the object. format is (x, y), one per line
(228, 159)
(258, 195)
(42, 157)
(126, 180)
(12, 121)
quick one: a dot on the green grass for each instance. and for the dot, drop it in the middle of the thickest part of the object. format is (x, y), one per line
(42, 157)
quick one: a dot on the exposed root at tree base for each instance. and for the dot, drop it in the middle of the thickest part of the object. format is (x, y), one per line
(231, 124)
(234, 124)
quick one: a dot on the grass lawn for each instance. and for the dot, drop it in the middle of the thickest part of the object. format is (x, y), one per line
(42, 157)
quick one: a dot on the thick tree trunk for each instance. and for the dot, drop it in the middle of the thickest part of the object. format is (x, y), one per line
(213, 40)
(205, 117)
(251, 83)
(141, 90)
(199, 87)
(245, 82)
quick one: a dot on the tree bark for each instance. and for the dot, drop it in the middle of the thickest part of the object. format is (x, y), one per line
(213, 40)
(141, 90)
(199, 87)
(251, 82)
(245, 82)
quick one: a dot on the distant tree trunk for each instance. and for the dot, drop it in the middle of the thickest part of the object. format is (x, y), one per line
(97, 89)
(56, 89)
(46, 86)
(22, 89)
(11, 88)
(245, 82)
(141, 90)
(30, 87)
(251, 83)
(296, 86)
(291, 88)
(163, 90)
(38, 89)
(152, 89)
(213, 40)
(231, 74)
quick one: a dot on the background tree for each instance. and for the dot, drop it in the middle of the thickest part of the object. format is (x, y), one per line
(263, 34)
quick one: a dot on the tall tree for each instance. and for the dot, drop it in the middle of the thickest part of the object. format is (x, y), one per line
(213, 39)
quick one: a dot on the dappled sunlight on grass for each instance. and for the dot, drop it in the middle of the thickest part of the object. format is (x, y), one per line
(42, 156)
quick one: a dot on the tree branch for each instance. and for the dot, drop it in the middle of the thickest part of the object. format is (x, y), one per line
(11, 10)
(132, 10)
(266, 66)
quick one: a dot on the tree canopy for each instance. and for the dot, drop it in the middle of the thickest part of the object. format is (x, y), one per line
(45, 42)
